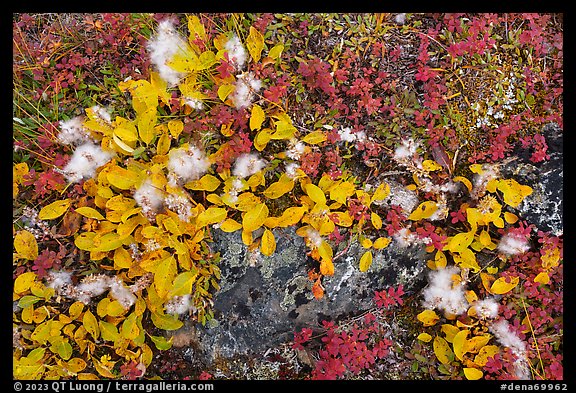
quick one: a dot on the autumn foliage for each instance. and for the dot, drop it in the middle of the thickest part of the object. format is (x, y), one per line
(214, 123)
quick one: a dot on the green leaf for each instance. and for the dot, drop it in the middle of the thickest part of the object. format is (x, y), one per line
(161, 343)
(166, 322)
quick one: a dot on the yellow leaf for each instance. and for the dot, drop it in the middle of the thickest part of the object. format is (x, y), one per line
(54, 210)
(205, 183)
(458, 344)
(276, 51)
(510, 218)
(315, 138)
(343, 219)
(450, 331)
(254, 218)
(485, 352)
(146, 125)
(514, 193)
(424, 210)
(279, 188)
(440, 260)
(262, 138)
(474, 344)
(224, 91)
(164, 276)
(122, 259)
(124, 147)
(90, 213)
(381, 242)
(163, 144)
(366, 261)
(291, 216)
(268, 244)
(257, 117)
(129, 329)
(442, 350)
(212, 215)
(424, 337)
(76, 365)
(196, 28)
(115, 309)
(247, 238)
(342, 191)
(501, 286)
(90, 323)
(326, 267)
(381, 193)
(485, 238)
(107, 242)
(230, 225)
(315, 193)
(376, 220)
(428, 317)
(542, 278)
(466, 259)
(24, 281)
(75, 310)
(26, 245)
(431, 165)
(476, 168)
(122, 178)
(284, 130)
(460, 241)
(366, 243)
(464, 181)
(175, 127)
(183, 283)
(255, 43)
(472, 373)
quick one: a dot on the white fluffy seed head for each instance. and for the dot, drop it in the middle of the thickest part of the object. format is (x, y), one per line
(162, 47)
(188, 164)
(248, 164)
(87, 158)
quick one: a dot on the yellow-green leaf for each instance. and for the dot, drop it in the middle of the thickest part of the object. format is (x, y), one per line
(90, 323)
(501, 286)
(161, 343)
(146, 125)
(129, 329)
(257, 117)
(164, 276)
(268, 243)
(255, 43)
(315, 138)
(276, 51)
(442, 350)
(196, 28)
(376, 220)
(254, 218)
(90, 213)
(166, 321)
(366, 261)
(381, 193)
(183, 283)
(54, 210)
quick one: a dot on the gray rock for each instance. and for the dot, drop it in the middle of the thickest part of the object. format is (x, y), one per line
(264, 300)
(544, 207)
